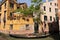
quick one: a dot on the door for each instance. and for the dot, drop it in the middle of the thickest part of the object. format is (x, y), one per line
(36, 27)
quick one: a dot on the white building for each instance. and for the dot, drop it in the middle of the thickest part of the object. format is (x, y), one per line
(49, 8)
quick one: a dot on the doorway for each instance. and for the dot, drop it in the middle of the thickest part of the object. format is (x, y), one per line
(36, 27)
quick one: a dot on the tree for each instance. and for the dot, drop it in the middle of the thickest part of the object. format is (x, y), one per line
(33, 9)
(36, 10)
(26, 11)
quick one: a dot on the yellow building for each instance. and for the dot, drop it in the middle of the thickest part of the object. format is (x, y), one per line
(13, 22)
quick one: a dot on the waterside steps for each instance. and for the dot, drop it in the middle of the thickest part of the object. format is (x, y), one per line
(37, 35)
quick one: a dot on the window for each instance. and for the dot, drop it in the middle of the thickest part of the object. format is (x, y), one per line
(49, 9)
(27, 26)
(45, 18)
(27, 19)
(5, 5)
(50, 3)
(4, 13)
(56, 10)
(23, 18)
(53, 18)
(4, 16)
(55, 4)
(50, 18)
(11, 5)
(11, 14)
(44, 8)
(11, 26)
(17, 7)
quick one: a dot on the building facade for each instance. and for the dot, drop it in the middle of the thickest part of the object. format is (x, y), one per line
(59, 9)
(49, 8)
(14, 23)
(59, 13)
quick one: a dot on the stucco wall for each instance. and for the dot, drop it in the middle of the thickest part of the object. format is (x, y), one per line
(47, 13)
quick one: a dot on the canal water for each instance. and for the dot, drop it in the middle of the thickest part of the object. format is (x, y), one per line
(51, 37)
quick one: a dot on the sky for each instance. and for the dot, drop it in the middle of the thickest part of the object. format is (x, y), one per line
(22, 1)
(27, 1)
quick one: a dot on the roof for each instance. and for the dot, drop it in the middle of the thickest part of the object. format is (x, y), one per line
(12, 1)
(21, 3)
(2, 2)
(5, 1)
